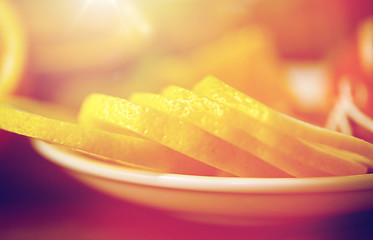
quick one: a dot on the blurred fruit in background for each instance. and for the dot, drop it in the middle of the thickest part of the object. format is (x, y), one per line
(12, 48)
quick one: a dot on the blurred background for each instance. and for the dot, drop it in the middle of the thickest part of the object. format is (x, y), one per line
(289, 54)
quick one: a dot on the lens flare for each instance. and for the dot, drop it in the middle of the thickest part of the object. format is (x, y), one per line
(126, 13)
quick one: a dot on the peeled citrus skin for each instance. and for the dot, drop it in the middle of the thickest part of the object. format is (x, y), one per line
(12, 48)
(104, 111)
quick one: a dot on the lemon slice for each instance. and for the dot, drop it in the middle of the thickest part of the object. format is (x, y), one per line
(12, 48)
(198, 115)
(326, 158)
(108, 112)
(215, 89)
(128, 149)
(280, 150)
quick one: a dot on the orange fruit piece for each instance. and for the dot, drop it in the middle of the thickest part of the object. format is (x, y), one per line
(279, 150)
(217, 90)
(114, 113)
(129, 150)
(246, 58)
(12, 48)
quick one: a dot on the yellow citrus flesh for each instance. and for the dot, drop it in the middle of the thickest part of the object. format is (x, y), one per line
(217, 90)
(115, 113)
(37, 107)
(216, 126)
(12, 48)
(334, 161)
(117, 147)
(284, 152)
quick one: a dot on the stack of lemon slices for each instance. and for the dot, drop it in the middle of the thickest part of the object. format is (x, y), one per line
(212, 130)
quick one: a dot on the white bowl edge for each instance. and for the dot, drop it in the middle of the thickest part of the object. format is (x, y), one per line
(81, 163)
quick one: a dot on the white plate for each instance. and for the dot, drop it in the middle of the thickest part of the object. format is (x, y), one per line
(222, 200)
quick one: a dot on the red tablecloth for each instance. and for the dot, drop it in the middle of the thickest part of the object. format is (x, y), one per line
(38, 200)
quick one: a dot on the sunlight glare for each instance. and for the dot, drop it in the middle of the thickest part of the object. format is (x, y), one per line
(128, 15)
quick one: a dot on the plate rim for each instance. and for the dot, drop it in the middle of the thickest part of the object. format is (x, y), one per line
(60, 155)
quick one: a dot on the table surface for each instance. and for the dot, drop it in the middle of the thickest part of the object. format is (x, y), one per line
(38, 200)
